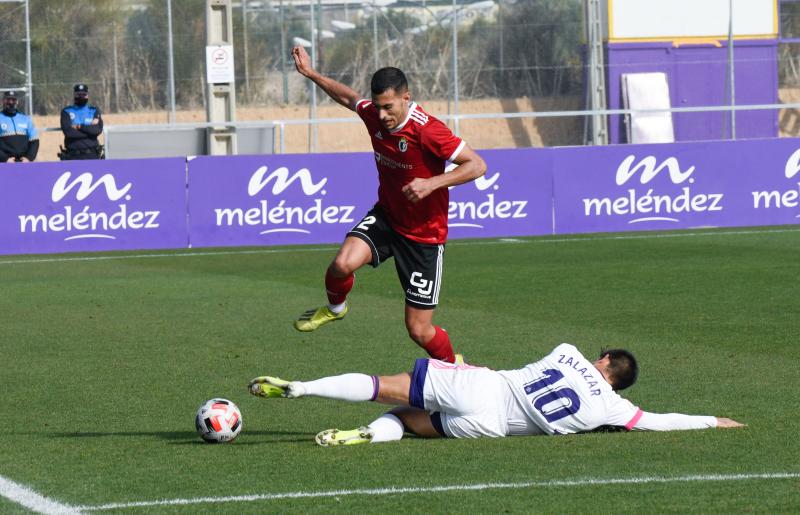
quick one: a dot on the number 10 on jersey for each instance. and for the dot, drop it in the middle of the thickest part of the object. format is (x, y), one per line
(552, 402)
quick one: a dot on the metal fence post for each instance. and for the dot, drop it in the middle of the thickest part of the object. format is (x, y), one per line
(731, 69)
(455, 63)
(170, 64)
(29, 83)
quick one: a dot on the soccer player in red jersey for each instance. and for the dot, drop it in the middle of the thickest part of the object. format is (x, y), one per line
(409, 221)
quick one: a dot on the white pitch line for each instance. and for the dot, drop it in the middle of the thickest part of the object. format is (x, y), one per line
(445, 488)
(23, 495)
(162, 255)
(331, 247)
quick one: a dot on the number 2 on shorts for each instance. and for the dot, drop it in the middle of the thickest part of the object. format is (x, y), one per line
(366, 222)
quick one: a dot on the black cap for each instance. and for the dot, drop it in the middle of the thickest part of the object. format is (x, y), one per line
(81, 88)
(10, 94)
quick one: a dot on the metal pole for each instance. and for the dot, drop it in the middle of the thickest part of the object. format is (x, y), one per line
(244, 46)
(455, 61)
(171, 66)
(500, 24)
(596, 93)
(283, 56)
(731, 69)
(29, 79)
(375, 33)
(116, 71)
(312, 128)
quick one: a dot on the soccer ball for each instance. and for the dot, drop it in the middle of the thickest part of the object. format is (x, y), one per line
(218, 420)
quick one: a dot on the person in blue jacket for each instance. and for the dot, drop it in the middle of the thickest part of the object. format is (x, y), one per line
(19, 141)
(81, 124)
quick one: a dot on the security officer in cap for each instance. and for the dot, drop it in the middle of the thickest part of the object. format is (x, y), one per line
(81, 124)
(19, 141)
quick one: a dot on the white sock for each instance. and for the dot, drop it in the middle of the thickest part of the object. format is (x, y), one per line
(337, 308)
(388, 428)
(346, 387)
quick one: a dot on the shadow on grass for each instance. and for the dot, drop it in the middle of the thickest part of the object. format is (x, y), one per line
(191, 438)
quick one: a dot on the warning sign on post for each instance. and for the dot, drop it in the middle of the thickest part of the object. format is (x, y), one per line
(219, 64)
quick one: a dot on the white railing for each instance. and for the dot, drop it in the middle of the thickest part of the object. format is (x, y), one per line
(281, 125)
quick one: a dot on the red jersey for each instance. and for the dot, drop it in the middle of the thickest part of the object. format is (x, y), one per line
(418, 147)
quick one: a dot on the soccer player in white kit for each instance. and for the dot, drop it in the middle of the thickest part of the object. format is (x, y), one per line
(563, 393)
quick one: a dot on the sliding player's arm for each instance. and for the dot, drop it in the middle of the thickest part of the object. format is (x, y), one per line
(677, 422)
(622, 413)
(336, 90)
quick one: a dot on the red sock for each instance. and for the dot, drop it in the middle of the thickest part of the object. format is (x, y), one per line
(338, 288)
(440, 347)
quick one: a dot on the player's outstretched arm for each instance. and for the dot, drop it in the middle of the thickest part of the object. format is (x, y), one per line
(723, 422)
(336, 90)
(679, 422)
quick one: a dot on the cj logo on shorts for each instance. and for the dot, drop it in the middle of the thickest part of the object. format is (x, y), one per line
(423, 286)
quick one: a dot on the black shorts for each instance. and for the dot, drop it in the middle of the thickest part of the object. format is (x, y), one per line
(419, 265)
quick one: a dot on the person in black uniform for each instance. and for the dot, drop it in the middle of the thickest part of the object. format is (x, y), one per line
(81, 124)
(19, 141)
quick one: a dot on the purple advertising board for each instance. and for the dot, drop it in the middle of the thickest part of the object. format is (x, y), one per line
(513, 198)
(302, 199)
(84, 206)
(278, 199)
(78, 206)
(676, 186)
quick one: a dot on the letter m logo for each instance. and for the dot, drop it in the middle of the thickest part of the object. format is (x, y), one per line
(85, 186)
(793, 164)
(649, 170)
(282, 180)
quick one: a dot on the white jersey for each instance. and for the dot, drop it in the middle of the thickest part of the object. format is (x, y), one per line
(561, 394)
(564, 393)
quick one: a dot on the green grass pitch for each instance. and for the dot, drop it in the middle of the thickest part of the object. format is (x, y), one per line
(106, 357)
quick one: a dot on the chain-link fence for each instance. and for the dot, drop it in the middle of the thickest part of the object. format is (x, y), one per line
(505, 48)
(13, 61)
(511, 56)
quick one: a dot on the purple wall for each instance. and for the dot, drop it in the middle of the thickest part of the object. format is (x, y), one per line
(317, 198)
(513, 198)
(677, 186)
(92, 205)
(697, 76)
(305, 199)
(278, 199)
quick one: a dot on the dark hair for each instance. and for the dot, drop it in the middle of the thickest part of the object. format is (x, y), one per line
(622, 368)
(388, 78)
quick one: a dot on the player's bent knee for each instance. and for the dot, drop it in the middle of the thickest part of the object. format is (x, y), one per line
(421, 333)
(416, 421)
(417, 336)
(339, 267)
(345, 263)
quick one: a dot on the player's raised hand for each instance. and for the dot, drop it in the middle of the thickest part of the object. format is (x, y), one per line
(301, 60)
(723, 422)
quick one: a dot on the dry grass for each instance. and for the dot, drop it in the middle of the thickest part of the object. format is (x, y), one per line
(351, 137)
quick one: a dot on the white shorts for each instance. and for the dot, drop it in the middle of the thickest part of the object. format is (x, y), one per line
(465, 401)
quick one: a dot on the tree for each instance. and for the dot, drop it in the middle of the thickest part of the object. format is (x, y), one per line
(541, 49)
(147, 52)
(68, 45)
